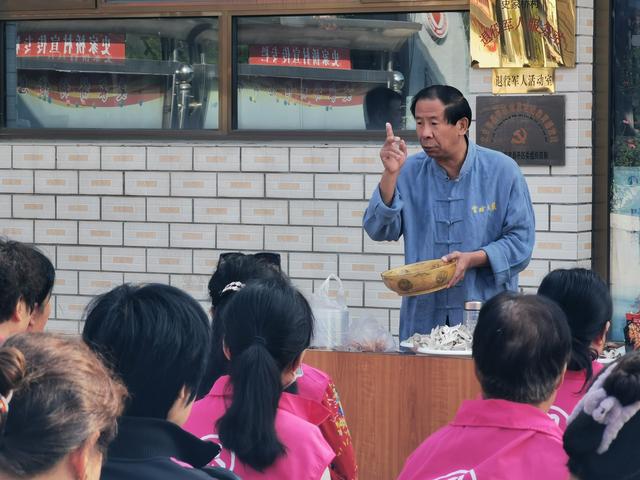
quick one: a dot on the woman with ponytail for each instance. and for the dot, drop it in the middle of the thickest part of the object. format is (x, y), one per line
(264, 432)
(585, 299)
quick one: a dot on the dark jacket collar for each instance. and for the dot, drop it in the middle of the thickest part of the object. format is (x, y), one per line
(140, 438)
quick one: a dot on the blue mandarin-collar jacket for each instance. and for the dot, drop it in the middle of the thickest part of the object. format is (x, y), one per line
(487, 207)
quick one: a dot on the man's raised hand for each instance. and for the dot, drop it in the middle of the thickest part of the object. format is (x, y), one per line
(393, 153)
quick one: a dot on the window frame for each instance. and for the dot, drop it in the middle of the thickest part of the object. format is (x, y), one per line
(226, 12)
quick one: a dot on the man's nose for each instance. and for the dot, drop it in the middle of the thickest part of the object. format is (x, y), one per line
(426, 132)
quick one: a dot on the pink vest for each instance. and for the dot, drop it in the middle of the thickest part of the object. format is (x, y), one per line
(308, 454)
(313, 383)
(491, 440)
(569, 394)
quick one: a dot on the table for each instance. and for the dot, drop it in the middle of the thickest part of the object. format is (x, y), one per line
(393, 401)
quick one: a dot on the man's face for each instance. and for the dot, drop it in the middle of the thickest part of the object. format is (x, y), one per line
(438, 138)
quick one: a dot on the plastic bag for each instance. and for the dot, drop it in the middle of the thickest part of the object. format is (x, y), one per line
(367, 335)
(331, 316)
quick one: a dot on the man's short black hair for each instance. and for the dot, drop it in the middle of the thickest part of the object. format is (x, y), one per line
(456, 106)
(521, 346)
(156, 338)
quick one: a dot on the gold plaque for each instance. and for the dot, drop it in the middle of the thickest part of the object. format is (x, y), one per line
(523, 80)
(523, 33)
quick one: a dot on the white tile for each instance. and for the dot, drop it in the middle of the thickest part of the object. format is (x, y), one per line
(361, 160)
(337, 239)
(269, 212)
(578, 161)
(123, 158)
(19, 230)
(49, 251)
(553, 189)
(313, 212)
(541, 212)
(243, 185)
(534, 273)
(169, 158)
(100, 233)
(585, 189)
(240, 237)
(147, 183)
(169, 260)
(5, 205)
(78, 208)
(564, 218)
(56, 232)
(16, 181)
(265, 159)
(194, 285)
(288, 238)
(304, 285)
(123, 259)
(97, 283)
(169, 209)
(289, 185)
(362, 267)
(63, 327)
(66, 282)
(70, 307)
(342, 186)
(394, 322)
(216, 159)
(205, 261)
(124, 208)
(353, 291)
(376, 294)
(34, 156)
(371, 182)
(34, 206)
(101, 183)
(578, 133)
(584, 246)
(314, 159)
(479, 81)
(350, 213)
(138, 234)
(579, 106)
(556, 246)
(216, 210)
(78, 258)
(396, 261)
(193, 184)
(140, 278)
(312, 265)
(389, 248)
(53, 181)
(5, 156)
(198, 235)
(584, 47)
(78, 157)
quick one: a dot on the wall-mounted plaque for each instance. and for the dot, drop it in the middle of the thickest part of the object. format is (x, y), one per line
(523, 33)
(523, 80)
(529, 129)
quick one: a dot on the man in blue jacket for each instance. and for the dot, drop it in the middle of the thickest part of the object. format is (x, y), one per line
(455, 201)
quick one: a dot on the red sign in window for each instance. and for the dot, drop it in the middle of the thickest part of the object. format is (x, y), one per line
(299, 56)
(103, 46)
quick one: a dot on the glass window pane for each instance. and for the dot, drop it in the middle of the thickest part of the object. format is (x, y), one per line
(344, 72)
(125, 74)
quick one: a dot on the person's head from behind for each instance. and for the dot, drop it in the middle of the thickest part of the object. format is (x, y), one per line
(585, 299)
(58, 408)
(26, 282)
(267, 327)
(442, 116)
(382, 105)
(521, 346)
(602, 432)
(156, 338)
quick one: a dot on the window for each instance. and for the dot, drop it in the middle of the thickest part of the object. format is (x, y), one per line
(337, 72)
(112, 74)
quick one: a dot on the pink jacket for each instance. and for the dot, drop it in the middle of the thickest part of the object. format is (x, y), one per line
(308, 454)
(313, 383)
(569, 394)
(491, 440)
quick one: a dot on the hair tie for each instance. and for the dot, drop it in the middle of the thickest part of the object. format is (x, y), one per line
(259, 339)
(233, 286)
(4, 402)
(606, 410)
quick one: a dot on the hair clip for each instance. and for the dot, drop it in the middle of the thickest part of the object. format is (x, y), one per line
(4, 402)
(233, 286)
(605, 410)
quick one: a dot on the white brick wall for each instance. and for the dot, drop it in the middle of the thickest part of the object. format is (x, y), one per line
(108, 213)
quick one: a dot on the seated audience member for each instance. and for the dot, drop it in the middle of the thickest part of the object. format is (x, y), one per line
(521, 346)
(156, 338)
(602, 433)
(586, 301)
(26, 282)
(58, 409)
(264, 433)
(311, 383)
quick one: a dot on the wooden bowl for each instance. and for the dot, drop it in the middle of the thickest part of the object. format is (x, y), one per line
(419, 278)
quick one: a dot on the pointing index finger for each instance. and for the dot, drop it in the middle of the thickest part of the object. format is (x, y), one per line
(390, 135)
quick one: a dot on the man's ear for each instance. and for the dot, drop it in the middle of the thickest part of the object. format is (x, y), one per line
(463, 125)
(80, 458)
(21, 315)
